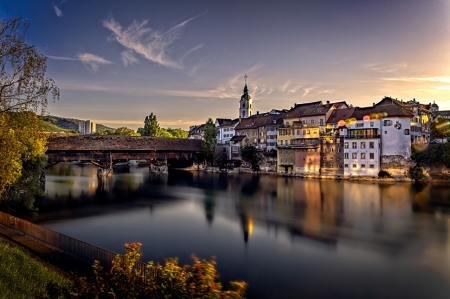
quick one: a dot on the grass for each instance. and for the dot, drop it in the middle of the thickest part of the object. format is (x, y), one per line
(21, 275)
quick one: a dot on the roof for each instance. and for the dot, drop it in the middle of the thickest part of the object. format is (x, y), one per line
(238, 137)
(230, 123)
(318, 110)
(195, 128)
(387, 107)
(259, 120)
(298, 109)
(121, 143)
(221, 121)
(340, 114)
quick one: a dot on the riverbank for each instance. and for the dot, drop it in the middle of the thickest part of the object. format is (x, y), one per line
(23, 274)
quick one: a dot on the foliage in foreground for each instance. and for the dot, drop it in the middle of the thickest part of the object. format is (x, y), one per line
(21, 276)
(169, 281)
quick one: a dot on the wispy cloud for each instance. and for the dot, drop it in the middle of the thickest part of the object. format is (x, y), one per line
(307, 90)
(90, 61)
(190, 51)
(128, 58)
(58, 11)
(152, 44)
(391, 68)
(327, 91)
(197, 66)
(443, 79)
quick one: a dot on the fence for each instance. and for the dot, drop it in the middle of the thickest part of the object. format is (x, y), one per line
(87, 252)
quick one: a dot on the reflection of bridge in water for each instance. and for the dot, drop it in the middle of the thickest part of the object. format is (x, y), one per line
(105, 151)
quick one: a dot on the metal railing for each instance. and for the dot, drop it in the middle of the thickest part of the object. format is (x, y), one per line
(85, 251)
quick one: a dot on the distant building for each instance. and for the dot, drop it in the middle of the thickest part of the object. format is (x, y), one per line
(196, 132)
(87, 127)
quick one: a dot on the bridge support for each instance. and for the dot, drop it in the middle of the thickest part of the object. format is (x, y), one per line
(103, 169)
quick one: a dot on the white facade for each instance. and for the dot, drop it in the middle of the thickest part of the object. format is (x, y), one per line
(395, 137)
(361, 157)
(87, 127)
(225, 133)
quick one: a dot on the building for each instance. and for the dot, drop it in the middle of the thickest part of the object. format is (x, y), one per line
(87, 127)
(196, 132)
(245, 103)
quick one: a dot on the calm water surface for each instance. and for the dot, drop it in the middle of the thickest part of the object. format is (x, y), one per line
(287, 237)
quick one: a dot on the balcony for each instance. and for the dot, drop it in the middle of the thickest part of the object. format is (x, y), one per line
(306, 144)
(362, 136)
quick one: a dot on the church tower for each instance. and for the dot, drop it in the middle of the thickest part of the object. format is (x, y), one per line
(246, 103)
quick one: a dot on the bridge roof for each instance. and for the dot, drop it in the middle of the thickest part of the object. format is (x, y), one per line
(121, 143)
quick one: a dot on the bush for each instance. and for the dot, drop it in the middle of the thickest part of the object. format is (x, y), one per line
(384, 174)
(124, 280)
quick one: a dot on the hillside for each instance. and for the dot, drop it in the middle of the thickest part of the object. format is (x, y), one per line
(53, 123)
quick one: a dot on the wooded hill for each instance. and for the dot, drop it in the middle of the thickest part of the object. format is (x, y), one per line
(51, 123)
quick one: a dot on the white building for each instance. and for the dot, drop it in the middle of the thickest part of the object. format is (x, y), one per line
(87, 127)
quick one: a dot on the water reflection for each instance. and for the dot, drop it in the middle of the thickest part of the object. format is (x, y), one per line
(284, 236)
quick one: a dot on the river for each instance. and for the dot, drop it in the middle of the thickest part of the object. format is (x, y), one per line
(286, 237)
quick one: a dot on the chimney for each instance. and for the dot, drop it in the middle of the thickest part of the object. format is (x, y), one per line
(374, 104)
(328, 102)
(257, 112)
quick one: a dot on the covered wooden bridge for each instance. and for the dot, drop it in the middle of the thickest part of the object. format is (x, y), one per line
(107, 150)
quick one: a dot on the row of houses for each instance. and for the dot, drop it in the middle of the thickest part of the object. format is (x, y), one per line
(334, 139)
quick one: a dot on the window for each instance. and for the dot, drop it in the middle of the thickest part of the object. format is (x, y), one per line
(385, 132)
(353, 144)
(304, 122)
(338, 140)
(354, 156)
(324, 141)
(324, 158)
(309, 159)
(406, 131)
(371, 124)
(371, 166)
(345, 155)
(324, 150)
(338, 150)
(315, 132)
(313, 121)
(354, 165)
(307, 131)
(321, 122)
(371, 156)
(331, 158)
(281, 142)
(363, 145)
(363, 165)
(281, 160)
(346, 145)
(387, 123)
(304, 132)
(298, 132)
(360, 125)
(371, 145)
(363, 155)
(331, 150)
(345, 165)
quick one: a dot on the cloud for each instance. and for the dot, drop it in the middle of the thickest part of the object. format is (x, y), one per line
(190, 51)
(327, 91)
(61, 57)
(307, 90)
(92, 61)
(197, 66)
(153, 45)
(442, 79)
(58, 11)
(128, 58)
(376, 67)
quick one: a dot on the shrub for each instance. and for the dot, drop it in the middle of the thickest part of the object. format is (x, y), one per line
(125, 280)
(384, 174)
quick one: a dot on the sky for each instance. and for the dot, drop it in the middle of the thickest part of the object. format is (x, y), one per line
(117, 61)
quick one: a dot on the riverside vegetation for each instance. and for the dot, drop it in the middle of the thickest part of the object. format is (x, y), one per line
(170, 280)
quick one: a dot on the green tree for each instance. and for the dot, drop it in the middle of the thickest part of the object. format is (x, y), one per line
(178, 133)
(125, 280)
(151, 126)
(24, 89)
(250, 155)
(124, 131)
(209, 141)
